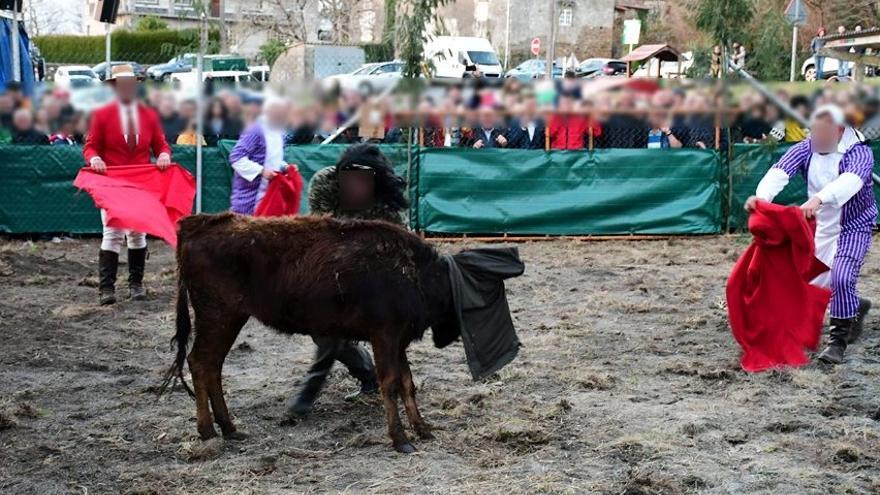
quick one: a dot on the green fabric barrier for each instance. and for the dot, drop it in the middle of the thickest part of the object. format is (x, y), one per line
(613, 191)
(37, 193)
(749, 163)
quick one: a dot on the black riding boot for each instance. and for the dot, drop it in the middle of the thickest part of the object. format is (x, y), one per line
(137, 260)
(302, 405)
(859, 325)
(837, 337)
(108, 263)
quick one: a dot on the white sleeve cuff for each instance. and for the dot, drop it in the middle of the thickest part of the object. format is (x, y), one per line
(773, 183)
(841, 189)
(92, 161)
(247, 168)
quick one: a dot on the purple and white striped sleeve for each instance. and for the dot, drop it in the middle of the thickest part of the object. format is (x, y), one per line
(775, 180)
(240, 155)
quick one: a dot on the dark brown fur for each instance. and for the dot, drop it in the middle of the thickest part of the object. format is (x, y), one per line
(361, 280)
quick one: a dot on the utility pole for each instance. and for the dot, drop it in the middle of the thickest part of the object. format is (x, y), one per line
(507, 40)
(200, 107)
(16, 48)
(551, 42)
(222, 15)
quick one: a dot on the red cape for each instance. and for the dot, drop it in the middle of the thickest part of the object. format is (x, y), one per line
(141, 198)
(282, 196)
(774, 312)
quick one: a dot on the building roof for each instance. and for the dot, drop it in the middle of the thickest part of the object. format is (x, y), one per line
(663, 52)
(623, 6)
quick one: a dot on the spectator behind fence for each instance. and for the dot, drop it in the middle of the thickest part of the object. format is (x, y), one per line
(302, 127)
(794, 131)
(488, 134)
(66, 134)
(172, 125)
(753, 123)
(23, 131)
(219, 124)
(527, 130)
(871, 126)
(568, 127)
(624, 130)
(189, 136)
(660, 135)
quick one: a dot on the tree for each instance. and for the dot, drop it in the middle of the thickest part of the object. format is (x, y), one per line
(771, 47)
(271, 50)
(725, 21)
(151, 23)
(42, 17)
(410, 33)
(281, 19)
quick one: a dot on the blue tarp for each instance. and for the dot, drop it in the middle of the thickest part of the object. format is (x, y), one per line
(6, 70)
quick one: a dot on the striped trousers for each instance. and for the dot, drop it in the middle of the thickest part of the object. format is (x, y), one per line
(852, 247)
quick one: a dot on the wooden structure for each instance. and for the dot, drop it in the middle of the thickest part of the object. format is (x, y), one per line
(839, 45)
(662, 52)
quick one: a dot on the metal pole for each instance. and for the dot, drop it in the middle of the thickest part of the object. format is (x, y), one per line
(222, 15)
(793, 52)
(107, 44)
(551, 40)
(507, 40)
(16, 52)
(200, 111)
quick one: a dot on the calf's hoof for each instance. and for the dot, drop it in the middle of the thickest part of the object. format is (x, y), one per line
(207, 433)
(404, 448)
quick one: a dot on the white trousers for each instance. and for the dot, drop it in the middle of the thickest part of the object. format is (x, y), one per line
(113, 238)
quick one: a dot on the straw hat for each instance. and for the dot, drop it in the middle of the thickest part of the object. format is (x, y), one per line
(123, 70)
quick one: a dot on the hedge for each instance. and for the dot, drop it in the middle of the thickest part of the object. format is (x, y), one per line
(152, 47)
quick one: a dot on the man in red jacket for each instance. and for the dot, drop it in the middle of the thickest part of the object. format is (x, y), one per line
(124, 132)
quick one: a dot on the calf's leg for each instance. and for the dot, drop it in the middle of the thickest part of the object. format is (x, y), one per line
(215, 335)
(408, 387)
(388, 371)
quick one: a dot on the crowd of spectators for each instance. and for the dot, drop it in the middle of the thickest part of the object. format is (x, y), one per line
(566, 114)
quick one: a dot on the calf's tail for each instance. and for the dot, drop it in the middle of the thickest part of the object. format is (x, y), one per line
(181, 337)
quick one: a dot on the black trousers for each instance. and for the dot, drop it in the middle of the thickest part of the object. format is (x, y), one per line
(350, 353)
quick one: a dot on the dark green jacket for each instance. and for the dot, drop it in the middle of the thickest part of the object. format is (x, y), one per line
(324, 200)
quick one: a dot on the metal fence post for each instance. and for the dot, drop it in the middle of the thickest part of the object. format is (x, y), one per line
(16, 51)
(200, 111)
(107, 44)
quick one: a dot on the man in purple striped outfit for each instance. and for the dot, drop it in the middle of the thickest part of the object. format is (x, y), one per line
(258, 156)
(837, 165)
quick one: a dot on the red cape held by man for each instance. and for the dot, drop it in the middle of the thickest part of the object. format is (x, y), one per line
(142, 198)
(775, 312)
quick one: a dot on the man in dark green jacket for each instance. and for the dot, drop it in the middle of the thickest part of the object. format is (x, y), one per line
(380, 197)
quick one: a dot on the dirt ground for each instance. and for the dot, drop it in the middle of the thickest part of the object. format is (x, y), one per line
(628, 383)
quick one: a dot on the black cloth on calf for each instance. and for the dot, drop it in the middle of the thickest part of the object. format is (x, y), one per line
(477, 278)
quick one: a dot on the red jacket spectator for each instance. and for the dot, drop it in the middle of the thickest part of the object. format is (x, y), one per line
(107, 140)
(570, 132)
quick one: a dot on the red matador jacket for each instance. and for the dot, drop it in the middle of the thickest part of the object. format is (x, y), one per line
(775, 314)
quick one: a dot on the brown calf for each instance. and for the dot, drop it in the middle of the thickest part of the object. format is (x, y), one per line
(359, 280)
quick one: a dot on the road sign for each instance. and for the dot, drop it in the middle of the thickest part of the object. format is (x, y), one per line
(795, 12)
(536, 46)
(631, 30)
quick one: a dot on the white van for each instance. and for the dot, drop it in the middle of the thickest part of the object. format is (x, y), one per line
(185, 84)
(452, 54)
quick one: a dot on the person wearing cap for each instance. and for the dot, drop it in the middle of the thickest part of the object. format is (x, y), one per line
(837, 164)
(361, 185)
(124, 132)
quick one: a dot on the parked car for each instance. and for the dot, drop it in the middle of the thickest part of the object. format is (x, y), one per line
(180, 63)
(186, 85)
(368, 78)
(533, 69)
(90, 97)
(101, 69)
(451, 55)
(593, 67)
(70, 76)
(829, 68)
